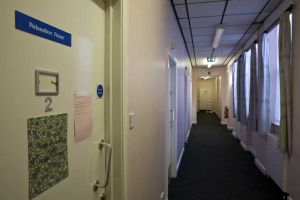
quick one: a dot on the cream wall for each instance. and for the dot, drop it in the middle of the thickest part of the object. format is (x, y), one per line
(211, 85)
(151, 29)
(214, 72)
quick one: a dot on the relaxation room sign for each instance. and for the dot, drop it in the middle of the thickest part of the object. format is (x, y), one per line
(41, 29)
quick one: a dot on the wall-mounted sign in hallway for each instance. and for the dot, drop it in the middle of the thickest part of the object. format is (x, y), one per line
(39, 28)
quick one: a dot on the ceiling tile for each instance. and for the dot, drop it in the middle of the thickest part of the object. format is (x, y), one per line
(186, 31)
(178, 1)
(203, 49)
(244, 6)
(189, 45)
(227, 42)
(203, 53)
(181, 11)
(235, 29)
(203, 38)
(262, 16)
(206, 9)
(272, 4)
(184, 23)
(240, 29)
(205, 22)
(224, 48)
(203, 44)
(221, 53)
(204, 31)
(187, 38)
(201, 1)
(234, 37)
(239, 20)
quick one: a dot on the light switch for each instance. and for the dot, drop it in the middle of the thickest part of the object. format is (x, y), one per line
(132, 120)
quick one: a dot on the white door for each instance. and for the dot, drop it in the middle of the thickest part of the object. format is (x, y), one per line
(205, 98)
(81, 69)
(172, 118)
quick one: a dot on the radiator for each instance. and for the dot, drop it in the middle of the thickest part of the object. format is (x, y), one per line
(276, 164)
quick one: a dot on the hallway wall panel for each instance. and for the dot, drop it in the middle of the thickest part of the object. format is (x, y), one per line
(152, 28)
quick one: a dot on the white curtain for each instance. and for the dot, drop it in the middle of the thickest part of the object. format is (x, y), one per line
(264, 122)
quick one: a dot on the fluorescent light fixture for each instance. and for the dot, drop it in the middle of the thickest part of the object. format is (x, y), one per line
(205, 77)
(209, 64)
(218, 36)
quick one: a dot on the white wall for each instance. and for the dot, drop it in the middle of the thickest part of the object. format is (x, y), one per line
(151, 29)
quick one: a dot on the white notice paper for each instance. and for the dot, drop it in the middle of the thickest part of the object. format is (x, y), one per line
(83, 117)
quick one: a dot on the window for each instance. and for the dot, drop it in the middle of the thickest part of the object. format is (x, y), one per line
(247, 79)
(273, 61)
(234, 69)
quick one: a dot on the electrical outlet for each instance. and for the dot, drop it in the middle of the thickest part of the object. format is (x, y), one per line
(132, 120)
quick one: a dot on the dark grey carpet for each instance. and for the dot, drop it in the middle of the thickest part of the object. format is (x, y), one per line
(214, 167)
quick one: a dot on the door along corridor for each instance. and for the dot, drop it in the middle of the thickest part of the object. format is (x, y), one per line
(215, 167)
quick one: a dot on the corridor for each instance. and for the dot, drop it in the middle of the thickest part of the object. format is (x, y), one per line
(215, 167)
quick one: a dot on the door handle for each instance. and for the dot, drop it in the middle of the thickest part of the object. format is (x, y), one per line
(97, 184)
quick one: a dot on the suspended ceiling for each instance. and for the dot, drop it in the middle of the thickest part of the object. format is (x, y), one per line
(198, 20)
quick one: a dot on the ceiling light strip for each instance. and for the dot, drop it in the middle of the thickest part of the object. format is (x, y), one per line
(188, 14)
(219, 31)
(232, 52)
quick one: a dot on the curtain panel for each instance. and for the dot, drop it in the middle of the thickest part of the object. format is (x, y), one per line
(285, 44)
(264, 121)
(238, 88)
(233, 89)
(242, 115)
(253, 105)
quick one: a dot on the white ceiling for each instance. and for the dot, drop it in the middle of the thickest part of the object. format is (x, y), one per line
(198, 20)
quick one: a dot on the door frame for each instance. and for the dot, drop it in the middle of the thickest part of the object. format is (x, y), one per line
(116, 90)
(186, 102)
(172, 132)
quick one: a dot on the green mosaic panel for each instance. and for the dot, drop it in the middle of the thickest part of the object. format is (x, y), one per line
(47, 152)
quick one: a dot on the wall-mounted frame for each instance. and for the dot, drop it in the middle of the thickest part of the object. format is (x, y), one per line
(46, 83)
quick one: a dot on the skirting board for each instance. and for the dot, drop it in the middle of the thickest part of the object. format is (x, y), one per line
(188, 135)
(260, 166)
(223, 122)
(234, 134)
(179, 161)
(194, 122)
(252, 151)
(244, 146)
(230, 128)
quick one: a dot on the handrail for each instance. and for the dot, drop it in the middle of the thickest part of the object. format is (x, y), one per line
(97, 183)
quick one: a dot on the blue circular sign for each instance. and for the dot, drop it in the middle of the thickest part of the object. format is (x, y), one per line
(100, 91)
